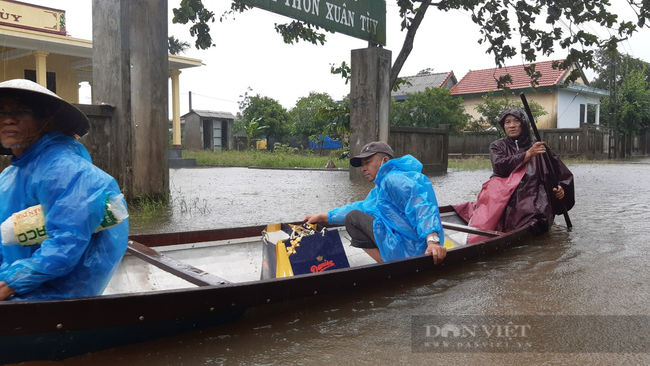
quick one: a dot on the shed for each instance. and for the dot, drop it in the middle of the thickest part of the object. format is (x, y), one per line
(209, 130)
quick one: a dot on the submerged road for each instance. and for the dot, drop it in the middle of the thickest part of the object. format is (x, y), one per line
(600, 269)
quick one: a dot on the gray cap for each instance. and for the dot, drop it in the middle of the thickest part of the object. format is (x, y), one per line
(68, 118)
(371, 149)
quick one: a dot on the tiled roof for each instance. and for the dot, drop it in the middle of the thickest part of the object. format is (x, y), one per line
(421, 82)
(483, 81)
(211, 114)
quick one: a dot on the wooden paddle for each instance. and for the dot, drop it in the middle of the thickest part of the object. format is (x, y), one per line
(547, 160)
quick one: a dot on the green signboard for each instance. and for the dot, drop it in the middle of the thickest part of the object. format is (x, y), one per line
(364, 19)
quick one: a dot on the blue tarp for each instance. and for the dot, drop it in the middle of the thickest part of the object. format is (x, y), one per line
(328, 144)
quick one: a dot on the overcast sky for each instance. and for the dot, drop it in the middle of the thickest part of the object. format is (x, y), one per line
(249, 53)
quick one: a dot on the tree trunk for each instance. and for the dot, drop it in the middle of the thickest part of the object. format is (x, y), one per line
(407, 47)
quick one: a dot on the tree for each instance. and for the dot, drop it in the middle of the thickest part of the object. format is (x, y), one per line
(430, 108)
(632, 106)
(628, 80)
(176, 46)
(492, 109)
(622, 62)
(339, 124)
(251, 128)
(498, 21)
(308, 118)
(268, 114)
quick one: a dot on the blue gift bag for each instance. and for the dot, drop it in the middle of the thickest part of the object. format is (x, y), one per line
(305, 249)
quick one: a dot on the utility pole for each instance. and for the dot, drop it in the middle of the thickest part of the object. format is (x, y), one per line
(613, 57)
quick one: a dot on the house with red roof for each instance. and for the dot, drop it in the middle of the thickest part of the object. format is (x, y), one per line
(567, 106)
(418, 83)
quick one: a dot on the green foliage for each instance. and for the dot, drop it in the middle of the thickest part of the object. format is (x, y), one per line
(622, 62)
(344, 70)
(535, 37)
(632, 101)
(195, 11)
(267, 115)
(431, 108)
(338, 117)
(251, 128)
(309, 119)
(492, 109)
(176, 46)
(538, 28)
(295, 31)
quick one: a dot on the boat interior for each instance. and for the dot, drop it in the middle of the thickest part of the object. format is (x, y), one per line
(214, 263)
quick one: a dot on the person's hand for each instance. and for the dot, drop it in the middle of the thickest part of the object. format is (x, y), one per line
(437, 251)
(559, 192)
(5, 291)
(538, 148)
(316, 218)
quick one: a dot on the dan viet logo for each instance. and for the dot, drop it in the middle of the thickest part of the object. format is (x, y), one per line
(462, 336)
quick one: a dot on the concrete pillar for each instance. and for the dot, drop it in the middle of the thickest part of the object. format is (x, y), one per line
(41, 67)
(130, 71)
(369, 100)
(176, 109)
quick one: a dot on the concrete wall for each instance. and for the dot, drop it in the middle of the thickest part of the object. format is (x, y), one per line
(369, 100)
(193, 132)
(97, 141)
(130, 72)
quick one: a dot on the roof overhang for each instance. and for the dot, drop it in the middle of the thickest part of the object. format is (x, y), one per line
(571, 87)
(587, 90)
(23, 42)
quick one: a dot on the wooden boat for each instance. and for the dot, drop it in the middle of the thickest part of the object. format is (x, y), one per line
(178, 282)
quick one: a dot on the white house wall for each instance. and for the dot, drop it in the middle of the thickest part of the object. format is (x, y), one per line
(568, 111)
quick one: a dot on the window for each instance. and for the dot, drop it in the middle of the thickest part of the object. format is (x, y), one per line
(50, 77)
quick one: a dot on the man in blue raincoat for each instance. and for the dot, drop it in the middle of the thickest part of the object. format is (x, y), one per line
(49, 167)
(399, 218)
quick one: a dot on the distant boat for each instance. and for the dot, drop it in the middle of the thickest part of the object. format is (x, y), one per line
(178, 282)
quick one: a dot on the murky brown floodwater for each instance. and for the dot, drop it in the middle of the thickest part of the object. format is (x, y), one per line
(601, 267)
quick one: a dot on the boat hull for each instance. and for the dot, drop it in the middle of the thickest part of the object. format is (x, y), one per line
(51, 330)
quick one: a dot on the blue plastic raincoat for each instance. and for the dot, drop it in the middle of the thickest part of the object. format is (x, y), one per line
(57, 173)
(404, 206)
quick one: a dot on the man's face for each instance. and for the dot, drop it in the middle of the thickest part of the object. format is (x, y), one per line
(512, 126)
(18, 126)
(370, 165)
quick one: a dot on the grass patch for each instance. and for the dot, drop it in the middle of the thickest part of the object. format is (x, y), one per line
(146, 206)
(473, 163)
(276, 159)
(284, 158)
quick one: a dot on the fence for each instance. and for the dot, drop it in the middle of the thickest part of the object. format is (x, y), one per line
(429, 145)
(591, 141)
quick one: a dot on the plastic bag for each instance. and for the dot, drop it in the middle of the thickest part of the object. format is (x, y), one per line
(27, 227)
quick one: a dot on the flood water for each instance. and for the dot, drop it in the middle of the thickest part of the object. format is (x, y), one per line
(599, 268)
